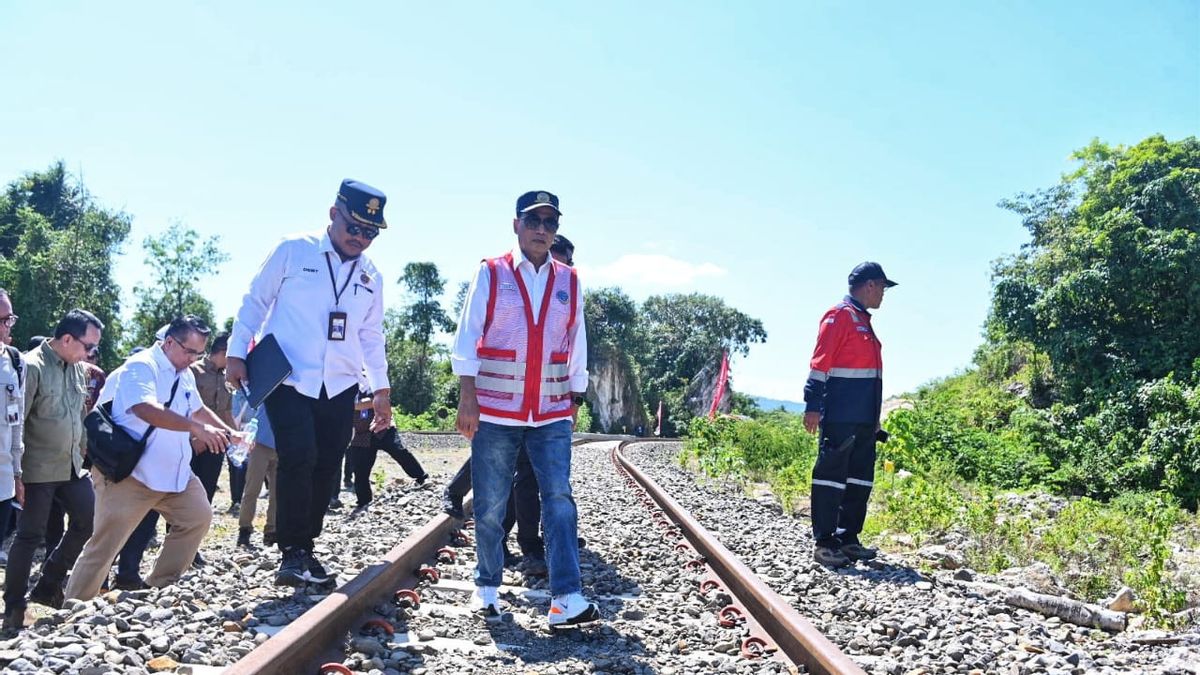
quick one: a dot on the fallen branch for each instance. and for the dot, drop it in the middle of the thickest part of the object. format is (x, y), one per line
(1073, 611)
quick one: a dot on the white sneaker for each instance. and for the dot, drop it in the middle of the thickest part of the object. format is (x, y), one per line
(572, 610)
(484, 602)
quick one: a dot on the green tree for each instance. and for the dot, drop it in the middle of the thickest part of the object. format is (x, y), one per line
(424, 315)
(682, 335)
(56, 252)
(179, 259)
(1109, 284)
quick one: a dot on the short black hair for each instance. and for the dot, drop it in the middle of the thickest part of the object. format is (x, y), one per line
(220, 343)
(35, 342)
(562, 245)
(181, 327)
(75, 323)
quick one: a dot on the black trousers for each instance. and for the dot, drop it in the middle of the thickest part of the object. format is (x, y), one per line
(524, 504)
(129, 560)
(311, 436)
(360, 461)
(237, 481)
(207, 467)
(79, 502)
(841, 482)
(56, 524)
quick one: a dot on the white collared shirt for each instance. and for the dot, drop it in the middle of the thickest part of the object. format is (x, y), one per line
(292, 297)
(464, 360)
(147, 377)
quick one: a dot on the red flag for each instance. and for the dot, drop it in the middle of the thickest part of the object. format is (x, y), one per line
(658, 430)
(722, 380)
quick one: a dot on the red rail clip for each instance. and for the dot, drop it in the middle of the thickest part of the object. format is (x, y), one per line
(429, 574)
(407, 597)
(754, 647)
(330, 668)
(379, 623)
(446, 555)
(730, 616)
(708, 585)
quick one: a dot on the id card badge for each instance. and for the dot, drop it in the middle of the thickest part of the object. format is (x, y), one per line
(14, 414)
(337, 326)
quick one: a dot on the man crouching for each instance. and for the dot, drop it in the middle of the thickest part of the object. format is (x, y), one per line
(155, 387)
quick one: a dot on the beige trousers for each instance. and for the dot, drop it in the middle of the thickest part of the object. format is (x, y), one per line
(119, 509)
(262, 464)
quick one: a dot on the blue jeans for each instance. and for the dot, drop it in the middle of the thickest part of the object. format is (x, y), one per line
(493, 461)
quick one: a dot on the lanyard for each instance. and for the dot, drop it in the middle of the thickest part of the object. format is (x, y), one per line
(337, 295)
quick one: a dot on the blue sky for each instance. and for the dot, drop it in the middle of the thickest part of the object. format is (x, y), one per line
(756, 151)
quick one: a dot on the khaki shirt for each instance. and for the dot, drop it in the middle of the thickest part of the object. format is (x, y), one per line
(210, 382)
(54, 397)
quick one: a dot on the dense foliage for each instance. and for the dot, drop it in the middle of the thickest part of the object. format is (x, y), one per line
(56, 252)
(1089, 378)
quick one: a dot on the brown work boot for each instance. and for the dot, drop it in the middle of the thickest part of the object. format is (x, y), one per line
(831, 557)
(859, 552)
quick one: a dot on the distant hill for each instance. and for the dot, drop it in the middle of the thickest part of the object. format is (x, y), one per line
(765, 403)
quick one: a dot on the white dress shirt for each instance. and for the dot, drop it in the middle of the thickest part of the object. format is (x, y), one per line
(464, 360)
(147, 377)
(292, 296)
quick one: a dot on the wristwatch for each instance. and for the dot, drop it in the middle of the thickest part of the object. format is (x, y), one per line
(579, 400)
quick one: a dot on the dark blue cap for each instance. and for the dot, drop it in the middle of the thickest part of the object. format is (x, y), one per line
(869, 271)
(363, 202)
(535, 198)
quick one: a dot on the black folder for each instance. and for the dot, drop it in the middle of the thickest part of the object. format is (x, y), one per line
(266, 368)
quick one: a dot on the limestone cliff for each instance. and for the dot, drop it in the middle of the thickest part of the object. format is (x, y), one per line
(614, 394)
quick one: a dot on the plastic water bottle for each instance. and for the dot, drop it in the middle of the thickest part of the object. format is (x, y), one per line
(238, 452)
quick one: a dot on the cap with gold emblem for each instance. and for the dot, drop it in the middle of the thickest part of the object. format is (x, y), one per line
(533, 199)
(363, 202)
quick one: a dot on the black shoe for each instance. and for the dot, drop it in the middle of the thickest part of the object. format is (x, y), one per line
(291, 570)
(199, 560)
(422, 480)
(14, 619)
(270, 538)
(243, 539)
(581, 541)
(335, 504)
(534, 566)
(511, 559)
(234, 509)
(451, 506)
(314, 571)
(47, 594)
(120, 584)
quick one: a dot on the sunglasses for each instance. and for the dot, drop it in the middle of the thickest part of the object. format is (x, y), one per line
(363, 231)
(90, 347)
(532, 222)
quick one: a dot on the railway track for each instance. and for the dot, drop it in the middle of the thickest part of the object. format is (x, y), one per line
(701, 610)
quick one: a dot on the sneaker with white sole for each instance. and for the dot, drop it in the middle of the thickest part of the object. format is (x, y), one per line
(571, 611)
(485, 602)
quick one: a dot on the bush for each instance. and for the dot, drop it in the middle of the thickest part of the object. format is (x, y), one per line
(774, 448)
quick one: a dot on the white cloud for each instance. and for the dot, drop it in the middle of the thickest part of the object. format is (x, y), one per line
(649, 269)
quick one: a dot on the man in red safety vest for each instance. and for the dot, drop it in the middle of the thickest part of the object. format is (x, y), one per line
(842, 399)
(521, 357)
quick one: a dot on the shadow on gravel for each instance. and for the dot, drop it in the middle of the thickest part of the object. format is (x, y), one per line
(601, 644)
(879, 571)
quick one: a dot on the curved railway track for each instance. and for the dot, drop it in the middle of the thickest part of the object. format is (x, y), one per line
(407, 599)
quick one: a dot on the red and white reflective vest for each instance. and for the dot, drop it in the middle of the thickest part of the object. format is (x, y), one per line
(523, 363)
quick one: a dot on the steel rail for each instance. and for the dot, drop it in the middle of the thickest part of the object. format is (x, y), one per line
(796, 637)
(298, 648)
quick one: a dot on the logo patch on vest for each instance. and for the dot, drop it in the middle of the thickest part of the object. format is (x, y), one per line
(563, 297)
(507, 286)
(863, 329)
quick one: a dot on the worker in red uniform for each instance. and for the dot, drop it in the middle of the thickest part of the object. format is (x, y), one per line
(842, 399)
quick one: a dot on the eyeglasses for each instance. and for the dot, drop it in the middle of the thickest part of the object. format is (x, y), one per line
(364, 231)
(532, 222)
(90, 347)
(9, 320)
(193, 353)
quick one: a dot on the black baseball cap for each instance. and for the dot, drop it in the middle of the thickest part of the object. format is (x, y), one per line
(869, 271)
(535, 198)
